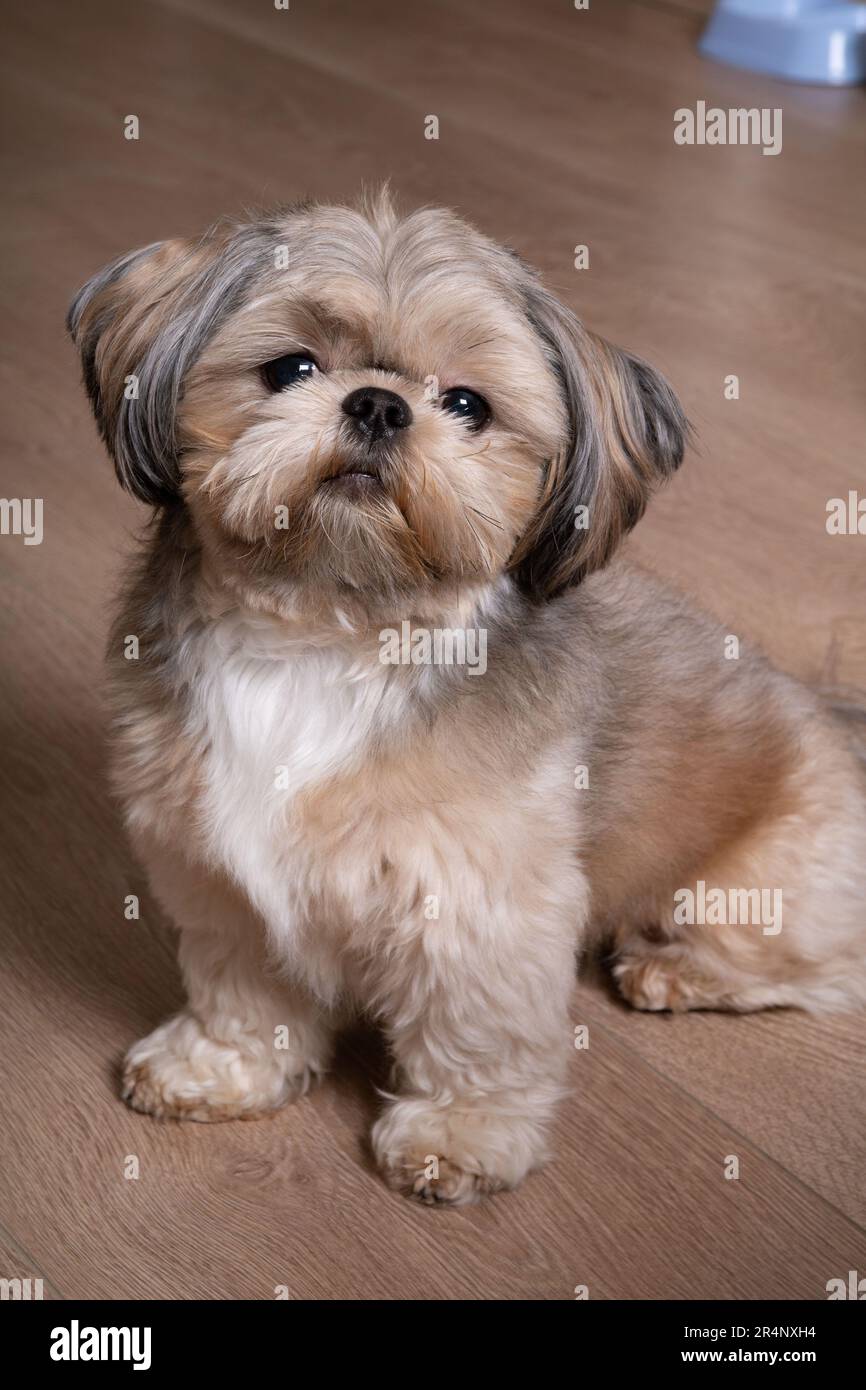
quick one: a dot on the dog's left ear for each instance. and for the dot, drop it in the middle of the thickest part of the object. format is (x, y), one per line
(626, 433)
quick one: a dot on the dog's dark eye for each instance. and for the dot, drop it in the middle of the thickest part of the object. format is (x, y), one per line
(286, 371)
(467, 405)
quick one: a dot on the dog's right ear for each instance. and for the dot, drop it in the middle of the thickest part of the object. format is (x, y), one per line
(139, 325)
(114, 321)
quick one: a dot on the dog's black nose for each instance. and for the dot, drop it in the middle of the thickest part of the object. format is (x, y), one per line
(377, 413)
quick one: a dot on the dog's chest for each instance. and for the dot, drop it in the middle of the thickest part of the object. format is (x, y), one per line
(276, 728)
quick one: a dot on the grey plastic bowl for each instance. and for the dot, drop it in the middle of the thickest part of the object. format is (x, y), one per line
(821, 41)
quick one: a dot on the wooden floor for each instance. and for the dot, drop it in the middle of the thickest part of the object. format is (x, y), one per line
(556, 129)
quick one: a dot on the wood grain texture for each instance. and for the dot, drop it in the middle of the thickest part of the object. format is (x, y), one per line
(555, 130)
(18, 1264)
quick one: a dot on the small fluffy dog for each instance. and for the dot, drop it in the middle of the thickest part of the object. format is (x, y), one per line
(353, 424)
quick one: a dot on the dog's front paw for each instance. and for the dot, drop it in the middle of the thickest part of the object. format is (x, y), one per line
(178, 1072)
(454, 1154)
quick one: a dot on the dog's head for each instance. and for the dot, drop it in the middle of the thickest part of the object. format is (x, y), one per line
(371, 404)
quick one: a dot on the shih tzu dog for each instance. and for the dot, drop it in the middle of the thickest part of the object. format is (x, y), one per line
(353, 424)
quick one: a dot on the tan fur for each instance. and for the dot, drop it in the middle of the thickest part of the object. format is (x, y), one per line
(412, 787)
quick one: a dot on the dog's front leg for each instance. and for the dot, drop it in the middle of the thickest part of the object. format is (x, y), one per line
(246, 1042)
(477, 1019)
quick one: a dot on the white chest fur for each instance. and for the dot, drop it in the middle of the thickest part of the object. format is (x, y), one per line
(278, 716)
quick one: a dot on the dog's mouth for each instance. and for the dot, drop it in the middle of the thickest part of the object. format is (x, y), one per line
(355, 478)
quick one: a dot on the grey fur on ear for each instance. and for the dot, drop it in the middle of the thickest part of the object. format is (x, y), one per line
(139, 325)
(626, 434)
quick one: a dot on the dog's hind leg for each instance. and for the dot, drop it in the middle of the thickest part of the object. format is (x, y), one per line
(778, 918)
